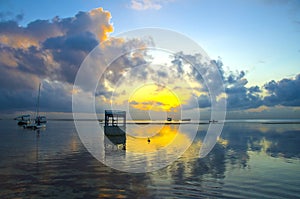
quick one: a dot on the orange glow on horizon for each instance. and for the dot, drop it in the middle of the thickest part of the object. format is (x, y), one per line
(155, 98)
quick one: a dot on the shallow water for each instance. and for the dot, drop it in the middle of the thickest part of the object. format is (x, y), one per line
(250, 160)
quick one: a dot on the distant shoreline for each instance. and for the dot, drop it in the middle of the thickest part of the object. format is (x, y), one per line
(145, 122)
(176, 122)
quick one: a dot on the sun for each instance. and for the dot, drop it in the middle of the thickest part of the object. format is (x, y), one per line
(154, 97)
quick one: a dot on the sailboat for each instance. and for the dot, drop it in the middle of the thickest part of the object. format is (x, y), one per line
(23, 119)
(40, 121)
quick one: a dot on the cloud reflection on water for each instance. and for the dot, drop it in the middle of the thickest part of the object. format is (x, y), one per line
(244, 158)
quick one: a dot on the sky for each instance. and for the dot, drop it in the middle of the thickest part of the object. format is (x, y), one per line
(255, 44)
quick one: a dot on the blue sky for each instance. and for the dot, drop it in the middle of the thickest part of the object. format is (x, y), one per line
(259, 37)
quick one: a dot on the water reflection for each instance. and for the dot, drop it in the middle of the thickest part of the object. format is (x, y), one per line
(144, 139)
(248, 161)
(164, 136)
(245, 158)
(115, 137)
(236, 141)
(145, 147)
(234, 149)
(272, 139)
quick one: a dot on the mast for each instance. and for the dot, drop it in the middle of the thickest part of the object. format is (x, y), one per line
(38, 102)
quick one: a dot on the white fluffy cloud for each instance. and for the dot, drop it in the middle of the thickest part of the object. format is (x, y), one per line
(148, 4)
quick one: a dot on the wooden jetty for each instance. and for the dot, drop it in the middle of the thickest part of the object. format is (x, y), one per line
(115, 122)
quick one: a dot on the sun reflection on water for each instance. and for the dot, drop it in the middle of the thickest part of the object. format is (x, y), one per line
(167, 137)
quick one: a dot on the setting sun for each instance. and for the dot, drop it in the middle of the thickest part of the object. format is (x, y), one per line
(154, 97)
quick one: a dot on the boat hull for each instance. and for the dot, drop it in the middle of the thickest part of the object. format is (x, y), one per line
(24, 122)
(34, 126)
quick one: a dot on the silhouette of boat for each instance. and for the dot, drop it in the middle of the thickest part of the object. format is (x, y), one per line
(23, 119)
(34, 126)
(40, 121)
(186, 119)
(213, 121)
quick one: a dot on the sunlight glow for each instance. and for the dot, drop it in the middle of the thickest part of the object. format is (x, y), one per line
(166, 135)
(154, 97)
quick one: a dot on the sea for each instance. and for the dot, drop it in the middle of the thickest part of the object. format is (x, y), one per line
(250, 159)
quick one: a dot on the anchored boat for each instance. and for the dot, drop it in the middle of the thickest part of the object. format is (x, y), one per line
(23, 119)
(40, 121)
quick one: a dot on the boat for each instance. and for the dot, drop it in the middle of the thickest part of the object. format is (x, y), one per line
(23, 119)
(213, 121)
(186, 120)
(40, 121)
(34, 126)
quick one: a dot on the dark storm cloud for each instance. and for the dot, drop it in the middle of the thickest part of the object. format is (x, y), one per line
(21, 68)
(49, 50)
(16, 69)
(43, 29)
(9, 27)
(238, 95)
(75, 48)
(55, 48)
(243, 98)
(285, 92)
(56, 96)
(17, 100)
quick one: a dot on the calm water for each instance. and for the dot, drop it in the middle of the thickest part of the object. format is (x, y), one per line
(250, 160)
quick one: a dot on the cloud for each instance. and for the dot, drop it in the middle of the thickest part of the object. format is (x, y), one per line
(54, 96)
(9, 16)
(97, 22)
(148, 4)
(238, 95)
(204, 101)
(49, 50)
(52, 51)
(69, 51)
(285, 92)
(17, 100)
(15, 36)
